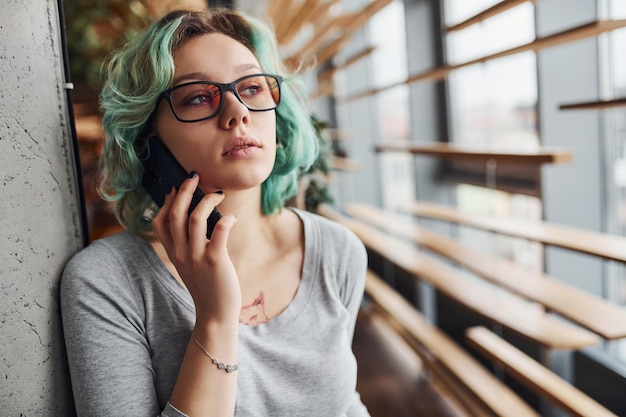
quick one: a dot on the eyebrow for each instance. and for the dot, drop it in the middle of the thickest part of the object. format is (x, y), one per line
(205, 77)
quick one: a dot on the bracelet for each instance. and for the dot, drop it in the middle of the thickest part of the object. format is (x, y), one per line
(220, 365)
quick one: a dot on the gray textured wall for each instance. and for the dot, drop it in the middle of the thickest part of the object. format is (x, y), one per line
(40, 219)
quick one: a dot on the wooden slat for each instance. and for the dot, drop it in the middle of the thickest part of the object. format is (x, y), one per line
(604, 245)
(570, 35)
(89, 128)
(486, 14)
(349, 61)
(440, 377)
(285, 16)
(442, 350)
(598, 315)
(352, 23)
(534, 375)
(321, 35)
(344, 164)
(321, 13)
(481, 153)
(595, 105)
(303, 14)
(331, 49)
(323, 90)
(275, 8)
(437, 74)
(343, 134)
(530, 323)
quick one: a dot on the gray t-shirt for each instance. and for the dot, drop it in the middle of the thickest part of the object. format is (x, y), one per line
(127, 323)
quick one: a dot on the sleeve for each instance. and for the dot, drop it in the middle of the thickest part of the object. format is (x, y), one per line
(108, 354)
(355, 267)
(354, 270)
(356, 407)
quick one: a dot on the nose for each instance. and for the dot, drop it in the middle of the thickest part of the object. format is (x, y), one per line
(234, 112)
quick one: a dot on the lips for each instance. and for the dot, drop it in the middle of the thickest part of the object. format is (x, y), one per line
(240, 145)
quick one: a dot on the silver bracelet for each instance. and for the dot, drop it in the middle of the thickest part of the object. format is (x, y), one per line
(220, 365)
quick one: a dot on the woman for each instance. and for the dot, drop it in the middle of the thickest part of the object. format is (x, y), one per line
(255, 321)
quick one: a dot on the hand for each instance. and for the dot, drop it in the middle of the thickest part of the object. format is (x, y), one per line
(204, 265)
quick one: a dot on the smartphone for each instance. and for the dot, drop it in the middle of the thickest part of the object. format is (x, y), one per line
(161, 172)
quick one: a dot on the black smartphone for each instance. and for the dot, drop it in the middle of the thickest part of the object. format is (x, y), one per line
(161, 172)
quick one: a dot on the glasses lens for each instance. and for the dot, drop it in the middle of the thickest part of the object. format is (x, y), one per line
(259, 92)
(195, 101)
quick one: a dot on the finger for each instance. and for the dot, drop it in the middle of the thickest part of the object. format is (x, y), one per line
(178, 214)
(222, 231)
(198, 223)
(160, 223)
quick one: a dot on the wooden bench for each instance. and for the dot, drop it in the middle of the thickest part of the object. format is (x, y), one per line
(474, 387)
(594, 313)
(531, 323)
(534, 375)
(593, 243)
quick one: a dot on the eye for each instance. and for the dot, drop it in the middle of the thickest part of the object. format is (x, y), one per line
(210, 96)
(252, 87)
(250, 90)
(195, 95)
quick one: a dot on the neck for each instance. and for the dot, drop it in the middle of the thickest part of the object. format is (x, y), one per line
(253, 237)
(253, 231)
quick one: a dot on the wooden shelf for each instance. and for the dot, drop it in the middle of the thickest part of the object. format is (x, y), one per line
(570, 35)
(524, 319)
(534, 375)
(471, 383)
(600, 316)
(481, 153)
(595, 105)
(604, 245)
(486, 14)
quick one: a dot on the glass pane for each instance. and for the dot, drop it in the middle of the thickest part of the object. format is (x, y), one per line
(497, 204)
(457, 11)
(495, 103)
(387, 34)
(509, 29)
(389, 63)
(616, 142)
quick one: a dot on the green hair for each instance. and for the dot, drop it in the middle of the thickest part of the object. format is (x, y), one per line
(141, 70)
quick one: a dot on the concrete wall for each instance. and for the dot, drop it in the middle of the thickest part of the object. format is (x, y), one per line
(40, 221)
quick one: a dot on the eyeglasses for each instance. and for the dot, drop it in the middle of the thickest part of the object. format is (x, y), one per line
(202, 100)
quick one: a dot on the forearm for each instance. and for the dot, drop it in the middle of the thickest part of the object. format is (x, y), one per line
(202, 389)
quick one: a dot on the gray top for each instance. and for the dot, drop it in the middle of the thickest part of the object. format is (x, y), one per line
(127, 323)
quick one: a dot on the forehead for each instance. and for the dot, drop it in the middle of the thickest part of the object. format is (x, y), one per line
(218, 56)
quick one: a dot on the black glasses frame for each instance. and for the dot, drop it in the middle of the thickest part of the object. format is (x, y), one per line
(224, 88)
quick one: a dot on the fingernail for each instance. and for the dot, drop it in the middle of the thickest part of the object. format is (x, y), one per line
(219, 192)
(192, 174)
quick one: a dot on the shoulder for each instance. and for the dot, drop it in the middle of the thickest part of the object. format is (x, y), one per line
(332, 236)
(105, 262)
(108, 252)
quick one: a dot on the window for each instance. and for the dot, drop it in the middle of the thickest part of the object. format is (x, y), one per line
(494, 103)
(615, 144)
(389, 64)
